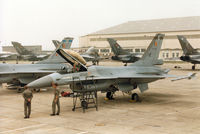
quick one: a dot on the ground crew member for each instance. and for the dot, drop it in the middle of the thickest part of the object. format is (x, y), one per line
(28, 95)
(76, 67)
(55, 100)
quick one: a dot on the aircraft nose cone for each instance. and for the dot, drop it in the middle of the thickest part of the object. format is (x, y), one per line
(45, 81)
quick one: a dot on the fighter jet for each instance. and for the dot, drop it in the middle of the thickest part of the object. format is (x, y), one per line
(26, 54)
(110, 79)
(190, 54)
(92, 55)
(125, 56)
(18, 75)
(121, 54)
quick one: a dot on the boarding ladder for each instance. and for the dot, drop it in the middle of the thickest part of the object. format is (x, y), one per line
(88, 98)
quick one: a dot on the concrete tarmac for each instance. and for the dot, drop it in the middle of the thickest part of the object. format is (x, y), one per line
(166, 108)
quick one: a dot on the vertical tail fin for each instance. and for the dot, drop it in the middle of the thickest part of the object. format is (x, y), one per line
(21, 49)
(186, 47)
(66, 43)
(151, 55)
(116, 48)
(54, 57)
(56, 43)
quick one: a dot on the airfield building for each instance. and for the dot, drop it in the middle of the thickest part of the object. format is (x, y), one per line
(135, 36)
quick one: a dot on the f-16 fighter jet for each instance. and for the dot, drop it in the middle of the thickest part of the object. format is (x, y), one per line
(126, 57)
(110, 79)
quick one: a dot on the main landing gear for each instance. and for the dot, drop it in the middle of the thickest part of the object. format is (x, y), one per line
(134, 97)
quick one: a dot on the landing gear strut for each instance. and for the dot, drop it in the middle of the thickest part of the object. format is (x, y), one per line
(135, 97)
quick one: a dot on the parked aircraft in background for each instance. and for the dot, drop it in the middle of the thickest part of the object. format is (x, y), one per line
(122, 55)
(92, 55)
(126, 57)
(18, 75)
(26, 54)
(110, 79)
(190, 54)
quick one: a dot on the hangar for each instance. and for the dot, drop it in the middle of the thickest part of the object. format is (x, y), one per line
(135, 36)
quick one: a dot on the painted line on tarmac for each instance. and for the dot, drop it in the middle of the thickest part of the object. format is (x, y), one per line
(22, 128)
(3, 119)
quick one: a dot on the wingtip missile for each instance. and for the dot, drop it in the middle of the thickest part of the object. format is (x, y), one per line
(189, 76)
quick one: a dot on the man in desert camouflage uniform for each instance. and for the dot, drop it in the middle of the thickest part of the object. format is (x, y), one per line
(28, 95)
(55, 100)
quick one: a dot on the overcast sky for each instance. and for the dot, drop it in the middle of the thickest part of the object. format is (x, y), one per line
(37, 22)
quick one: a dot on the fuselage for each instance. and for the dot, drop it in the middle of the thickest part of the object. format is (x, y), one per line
(103, 78)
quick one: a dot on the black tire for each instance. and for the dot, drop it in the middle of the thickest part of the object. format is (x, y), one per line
(135, 97)
(109, 95)
(84, 104)
(193, 67)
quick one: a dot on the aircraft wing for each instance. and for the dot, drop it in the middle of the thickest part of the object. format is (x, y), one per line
(87, 57)
(196, 60)
(124, 57)
(27, 72)
(5, 56)
(137, 78)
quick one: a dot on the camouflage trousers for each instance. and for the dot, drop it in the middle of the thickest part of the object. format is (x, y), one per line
(27, 108)
(54, 104)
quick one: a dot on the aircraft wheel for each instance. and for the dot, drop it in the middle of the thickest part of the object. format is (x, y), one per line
(84, 104)
(20, 90)
(135, 97)
(36, 90)
(109, 95)
(193, 67)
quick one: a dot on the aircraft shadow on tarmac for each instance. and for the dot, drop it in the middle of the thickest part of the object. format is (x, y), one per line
(147, 98)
